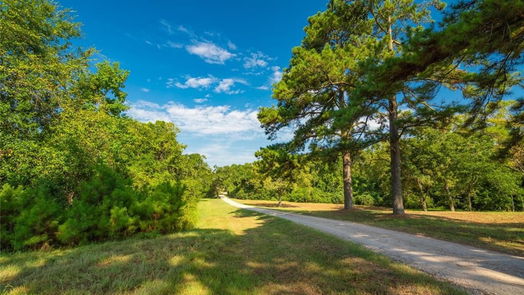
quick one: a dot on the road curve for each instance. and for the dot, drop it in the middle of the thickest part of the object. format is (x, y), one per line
(479, 271)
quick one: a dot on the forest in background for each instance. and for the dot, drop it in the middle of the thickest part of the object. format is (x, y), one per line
(444, 169)
(360, 98)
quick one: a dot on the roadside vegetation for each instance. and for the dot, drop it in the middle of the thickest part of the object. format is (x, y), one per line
(74, 169)
(499, 231)
(230, 251)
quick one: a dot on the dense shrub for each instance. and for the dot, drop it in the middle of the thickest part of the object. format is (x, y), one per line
(106, 207)
(364, 199)
(100, 211)
(11, 202)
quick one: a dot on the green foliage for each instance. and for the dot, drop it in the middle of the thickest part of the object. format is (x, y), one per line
(444, 168)
(11, 201)
(38, 219)
(100, 210)
(364, 199)
(73, 168)
(36, 64)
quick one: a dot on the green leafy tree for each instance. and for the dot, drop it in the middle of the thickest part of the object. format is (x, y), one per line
(36, 65)
(73, 167)
(313, 95)
(280, 167)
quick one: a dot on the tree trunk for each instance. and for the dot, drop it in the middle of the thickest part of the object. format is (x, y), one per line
(348, 185)
(450, 198)
(422, 197)
(394, 143)
(470, 205)
(394, 147)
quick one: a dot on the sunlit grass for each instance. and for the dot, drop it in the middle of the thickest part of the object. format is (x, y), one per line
(231, 252)
(499, 231)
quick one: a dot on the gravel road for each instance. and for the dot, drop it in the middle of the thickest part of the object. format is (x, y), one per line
(480, 271)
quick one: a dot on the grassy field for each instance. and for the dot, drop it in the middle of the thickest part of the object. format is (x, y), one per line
(230, 252)
(499, 231)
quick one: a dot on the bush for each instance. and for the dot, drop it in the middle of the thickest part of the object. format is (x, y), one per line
(30, 218)
(364, 199)
(109, 208)
(100, 210)
(11, 200)
(165, 209)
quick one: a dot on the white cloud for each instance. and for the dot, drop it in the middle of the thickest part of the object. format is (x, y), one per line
(224, 135)
(146, 90)
(256, 59)
(225, 85)
(200, 120)
(210, 52)
(183, 29)
(200, 100)
(146, 111)
(263, 87)
(167, 26)
(231, 45)
(192, 82)
(173, 44)
(170, 83)
(220, 85)
(225, 152)
(276, 76)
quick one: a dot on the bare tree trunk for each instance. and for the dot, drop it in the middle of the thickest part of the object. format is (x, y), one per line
(470, 193)
(348, 186)
(394, 143)
(450, 198)
(422, 197)
(470, 205)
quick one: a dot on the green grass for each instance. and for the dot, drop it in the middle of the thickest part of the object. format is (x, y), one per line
(499, 231)
(230, 252)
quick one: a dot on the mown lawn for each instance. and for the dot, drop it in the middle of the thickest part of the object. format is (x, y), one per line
(499, 231)
(230, 252)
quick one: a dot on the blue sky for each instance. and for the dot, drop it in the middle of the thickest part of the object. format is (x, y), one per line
(205, 65)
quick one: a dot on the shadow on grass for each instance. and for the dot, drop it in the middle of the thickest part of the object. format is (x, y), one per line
(273, 205)
(503, 237)
(273, 257)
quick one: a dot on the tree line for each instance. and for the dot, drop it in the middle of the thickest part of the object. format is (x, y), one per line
(364, 83)
(73, 167)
